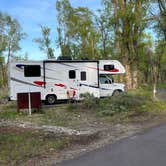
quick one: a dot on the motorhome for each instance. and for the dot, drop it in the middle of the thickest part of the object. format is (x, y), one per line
(64, 79)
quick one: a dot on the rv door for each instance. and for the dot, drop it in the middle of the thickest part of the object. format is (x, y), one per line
(105, 86)
(74, 76)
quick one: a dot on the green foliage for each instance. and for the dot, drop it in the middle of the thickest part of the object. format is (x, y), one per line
(89, 101)
(18, 145)
(45, 42)
(3, 79)
(77, 36)
(134, 101)
(10, 34)
(121, 103)
(110, 106)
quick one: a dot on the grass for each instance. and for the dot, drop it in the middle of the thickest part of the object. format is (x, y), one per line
(133, 106)
(18, 145)
(3, 93)
(58, 116)
(126, 107)
(150, 86)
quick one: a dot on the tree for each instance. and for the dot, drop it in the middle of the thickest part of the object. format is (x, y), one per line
(77, 35)
(160, 52)
(105, 32)
(2, 32)
(45, 42)
(161, 25)
(83, 33)
(12, 36)
(129, 25)
(64, 13)
(3, 78)
(159, 21)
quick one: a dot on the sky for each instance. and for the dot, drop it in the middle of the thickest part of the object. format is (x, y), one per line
(31, 14)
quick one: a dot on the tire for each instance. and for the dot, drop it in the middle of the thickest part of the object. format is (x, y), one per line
(51, 99)
(116, 92)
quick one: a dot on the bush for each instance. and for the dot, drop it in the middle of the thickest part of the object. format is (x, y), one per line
(121, 103)
(136, 101)
(89, 101)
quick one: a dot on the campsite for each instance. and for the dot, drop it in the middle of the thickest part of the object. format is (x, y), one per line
(79, 79)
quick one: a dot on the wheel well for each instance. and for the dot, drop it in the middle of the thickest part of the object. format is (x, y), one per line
(119, 90)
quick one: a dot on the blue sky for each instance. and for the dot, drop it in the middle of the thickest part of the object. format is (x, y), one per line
(32, 13)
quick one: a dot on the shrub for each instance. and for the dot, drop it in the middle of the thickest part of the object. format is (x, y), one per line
(89, 101)
(121, 103)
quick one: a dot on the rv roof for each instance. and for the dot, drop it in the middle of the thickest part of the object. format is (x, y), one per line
(70, 61)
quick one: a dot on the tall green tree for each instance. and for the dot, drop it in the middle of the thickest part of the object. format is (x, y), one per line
(161, 21)
(3, 78)
(105, 31)
(77, 35)
(10, 36)
(129, 25)
(83, 33)
(2, 32)
(13, 34)
(64, 14)
(45, 42)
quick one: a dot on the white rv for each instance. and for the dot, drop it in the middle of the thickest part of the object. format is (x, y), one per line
(64, 79)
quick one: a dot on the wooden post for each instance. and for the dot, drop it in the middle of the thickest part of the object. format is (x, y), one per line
(29, 103)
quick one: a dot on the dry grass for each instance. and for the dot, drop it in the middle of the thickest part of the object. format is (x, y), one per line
(18, 145)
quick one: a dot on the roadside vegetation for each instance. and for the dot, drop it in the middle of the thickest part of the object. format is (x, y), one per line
(126, 106)
(19, 145)
(134, 102)
(119, 30)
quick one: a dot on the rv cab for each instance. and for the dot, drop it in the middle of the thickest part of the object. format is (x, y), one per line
(108, 87)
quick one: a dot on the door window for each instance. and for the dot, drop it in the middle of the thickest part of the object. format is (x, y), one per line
(83, 76)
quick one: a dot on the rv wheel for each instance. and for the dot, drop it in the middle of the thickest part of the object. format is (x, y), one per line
(51, 99)
(116, 92)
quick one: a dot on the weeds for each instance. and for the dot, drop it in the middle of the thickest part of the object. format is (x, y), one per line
(137, 101)
(3, 95)
(18, 145)
(89, 101)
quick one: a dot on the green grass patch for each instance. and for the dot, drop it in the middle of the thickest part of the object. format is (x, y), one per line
(134, 102)
(3, 93)
(19, 145)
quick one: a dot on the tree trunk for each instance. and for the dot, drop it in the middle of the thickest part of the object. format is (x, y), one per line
(128, 78)
(116, 24)
(8, 56)
(135, 78)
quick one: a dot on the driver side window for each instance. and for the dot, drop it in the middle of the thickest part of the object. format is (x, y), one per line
(104, 80)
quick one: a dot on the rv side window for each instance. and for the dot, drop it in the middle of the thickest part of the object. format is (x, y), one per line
(32, 71)
(83, 76)
(109, 67)
(72, 74)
